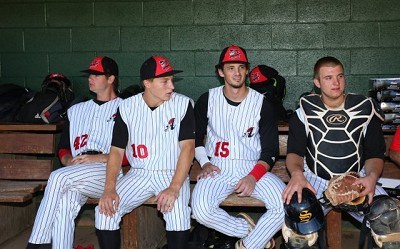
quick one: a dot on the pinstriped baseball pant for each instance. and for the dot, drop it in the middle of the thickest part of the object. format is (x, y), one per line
(210, 192)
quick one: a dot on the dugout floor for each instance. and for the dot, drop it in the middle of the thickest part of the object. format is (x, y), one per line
(85, 235)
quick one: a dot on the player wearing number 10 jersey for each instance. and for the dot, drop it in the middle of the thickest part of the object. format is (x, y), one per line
(241, 147)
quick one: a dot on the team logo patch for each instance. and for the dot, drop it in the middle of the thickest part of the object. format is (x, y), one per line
(336, 119)
(249, 132)
(170, 125)
(305, 216)
(112, 118)
(165, 66)
(254, 77)
(234, 54)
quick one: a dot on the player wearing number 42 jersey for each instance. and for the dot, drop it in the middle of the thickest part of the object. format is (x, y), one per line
(156, 129)
(84, 147)
(241, 146)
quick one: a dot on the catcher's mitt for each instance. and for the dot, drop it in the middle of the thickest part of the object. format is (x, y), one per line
(342, 194)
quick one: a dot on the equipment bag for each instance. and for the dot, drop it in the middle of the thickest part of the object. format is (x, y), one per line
(50, 104)
(12, 97)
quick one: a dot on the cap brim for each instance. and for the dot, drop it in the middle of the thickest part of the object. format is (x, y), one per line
(89, 71)
(305, 228)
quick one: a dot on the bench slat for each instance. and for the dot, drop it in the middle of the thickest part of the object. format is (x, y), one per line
(19, 186)
(15, 197)
(27, 143)
(30, 169)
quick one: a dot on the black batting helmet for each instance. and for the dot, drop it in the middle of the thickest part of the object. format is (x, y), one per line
(305, 217)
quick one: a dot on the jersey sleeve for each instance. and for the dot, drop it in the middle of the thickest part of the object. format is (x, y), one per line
(187, 130)
(297, 137)
(120, 132)
(269, 134)
(395, 145)
(200, 113)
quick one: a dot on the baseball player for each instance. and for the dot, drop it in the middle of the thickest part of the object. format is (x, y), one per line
(394, 150)
(83, 149)
(156, 129)
(332, 133)
(240, 149)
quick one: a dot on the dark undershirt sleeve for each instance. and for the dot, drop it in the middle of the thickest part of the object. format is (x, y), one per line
(374, 142)
(200, 113)
(120, 132)
(297, 138)
(64, 139)
(269, 134)
(187, 129)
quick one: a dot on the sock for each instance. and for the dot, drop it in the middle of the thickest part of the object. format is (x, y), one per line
(109, 239)
(178, 239)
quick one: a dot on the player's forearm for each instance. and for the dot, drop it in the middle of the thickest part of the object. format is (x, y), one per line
(113, 167)
(294, 163)
(374, 167)
(184, 162)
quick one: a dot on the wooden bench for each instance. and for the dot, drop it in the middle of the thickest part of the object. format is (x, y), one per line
(26, 161)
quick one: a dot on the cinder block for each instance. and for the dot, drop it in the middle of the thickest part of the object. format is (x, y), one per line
(389, 34)
(128, 63)
(194, 87)
(69, 14)
(11, 40)
(195, 38)
(71, 64)
(323, 11)
(205, 63)
(306, 60)
(22, 15)
(283, 61)
(246, 36)
(163, 13)
(47, 40)
(92, 39)
(351, 35)
(122, 14)
(372, 10)
(375, 61)
(217, 12)
(17, 65)
(297, 36)
(270, 11)
(145, 39)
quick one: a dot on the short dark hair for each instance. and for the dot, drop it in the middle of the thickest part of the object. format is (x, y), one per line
(115, 83)
(325, 61)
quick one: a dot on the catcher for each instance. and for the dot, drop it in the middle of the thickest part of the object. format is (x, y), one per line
(333, 133)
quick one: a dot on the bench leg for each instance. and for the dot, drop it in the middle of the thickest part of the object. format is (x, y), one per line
(142, 228)
(334, 229)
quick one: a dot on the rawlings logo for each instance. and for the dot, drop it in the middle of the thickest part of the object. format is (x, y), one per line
(305, 216)
(336, 119)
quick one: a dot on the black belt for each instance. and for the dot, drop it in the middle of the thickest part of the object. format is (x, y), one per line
(90, 152)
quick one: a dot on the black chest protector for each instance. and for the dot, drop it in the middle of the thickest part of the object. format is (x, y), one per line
(335, 137)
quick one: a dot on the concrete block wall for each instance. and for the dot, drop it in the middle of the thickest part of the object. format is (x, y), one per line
(38, 37)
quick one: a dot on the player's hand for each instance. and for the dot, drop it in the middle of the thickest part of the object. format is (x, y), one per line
(296, 184)
(166, 200)
(246, 185)
(108, 203)
(208, 170)
(369, 184)
(100, 158)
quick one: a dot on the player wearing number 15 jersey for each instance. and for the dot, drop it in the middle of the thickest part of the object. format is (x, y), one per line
(241, 147)
(83, 148)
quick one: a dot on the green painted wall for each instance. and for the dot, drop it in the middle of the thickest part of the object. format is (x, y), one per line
(37, 37)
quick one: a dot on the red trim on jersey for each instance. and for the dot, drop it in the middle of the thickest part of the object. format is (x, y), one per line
(395, 145)
(258, 171)
(125, 160)
(63, 152)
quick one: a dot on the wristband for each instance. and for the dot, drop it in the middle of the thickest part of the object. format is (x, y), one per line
(63, 152)
(258, 171)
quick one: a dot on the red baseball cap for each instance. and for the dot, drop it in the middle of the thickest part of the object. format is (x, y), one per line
(156, 67)
(102, 65)
(233, 54)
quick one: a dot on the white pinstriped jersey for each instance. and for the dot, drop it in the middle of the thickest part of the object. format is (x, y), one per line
(233, 131)
(153, 134)
(93, 125)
